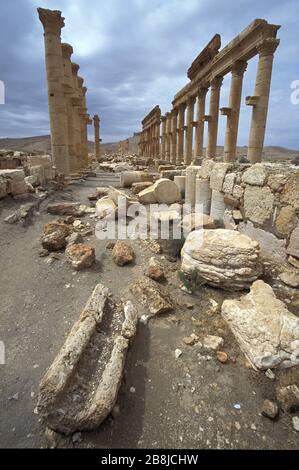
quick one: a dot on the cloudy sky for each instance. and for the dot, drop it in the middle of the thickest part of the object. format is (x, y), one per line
(134, 54)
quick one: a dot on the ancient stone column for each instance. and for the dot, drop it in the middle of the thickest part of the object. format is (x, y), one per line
(233, 111)
(76, 101)
(157, 155)
(180, 155)
(174, 135)
(68, 89)
(168, 137)
(260, 100)
(53, 22)
(199, 133)
(84, 122)
(189, 130)
(97, 145)
(163, 119)
(213, 117)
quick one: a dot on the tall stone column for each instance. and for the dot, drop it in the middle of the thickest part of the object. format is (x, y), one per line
(157, 156)
(168, 136)
(76, 101)
(189, 130)
(233, 111)
(199, 133)
(260, 100)
(180, 155)
(174, 135)
(97, 145)
(83, 116)
(163, 119)
(53, 22)
(67, 52)
(213, 117)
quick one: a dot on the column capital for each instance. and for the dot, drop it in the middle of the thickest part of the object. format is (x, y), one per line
(163, 118)
(80, 82)
(239, 67)
(75, 69)
(202, 91)
(67, 50)
(96, 118)
(174, 112)
(51, 20)
(216, 82)
(268, 46)
(191, 100)
(182, 106)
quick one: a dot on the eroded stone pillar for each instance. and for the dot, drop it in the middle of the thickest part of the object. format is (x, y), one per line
(84, 122)
(168, 137)
(163, 120)
(76, 102)
(180, 148)
(200, 114)
(233, 111)
(97, 141)
(189, 130)
(174, 126)
(213, 117)
(68, 89)
(260, 100)
(53, 23)
(157, 154)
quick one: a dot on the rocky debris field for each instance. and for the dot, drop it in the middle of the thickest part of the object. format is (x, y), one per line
(187, 382)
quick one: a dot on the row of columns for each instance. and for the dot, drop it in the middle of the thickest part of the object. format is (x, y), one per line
(66, 100)
(178, 125)
(150, 141)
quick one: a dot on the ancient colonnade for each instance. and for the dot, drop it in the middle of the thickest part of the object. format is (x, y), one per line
(67, 100)
(174, 141)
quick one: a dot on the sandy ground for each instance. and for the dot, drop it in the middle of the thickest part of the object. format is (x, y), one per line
(190, 402)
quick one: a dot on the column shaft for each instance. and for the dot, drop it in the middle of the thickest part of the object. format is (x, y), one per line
(199, 133)
(232, 123)
(174, 135)
(180, 155)
(261, 99)
(189, 131)
(213, 117)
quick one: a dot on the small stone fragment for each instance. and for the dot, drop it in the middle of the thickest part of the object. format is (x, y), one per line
(122, 253)
(295, 421)
(222, 357)
(270, 409)
(154, 270)
(213, 342)
(178, 353)
(80, 256)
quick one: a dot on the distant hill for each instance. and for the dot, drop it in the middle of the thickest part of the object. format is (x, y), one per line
(42, 144)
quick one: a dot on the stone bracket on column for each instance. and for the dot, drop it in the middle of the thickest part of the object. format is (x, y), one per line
(226, 111)
(207, 118)
(251, 100)
(194, 123)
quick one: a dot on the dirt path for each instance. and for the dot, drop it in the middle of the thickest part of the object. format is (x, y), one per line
(190, 402)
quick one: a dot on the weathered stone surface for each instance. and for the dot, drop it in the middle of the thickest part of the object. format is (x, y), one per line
(290, 278)
(155, 271)
(218, 174)
(231, 201)
(213, 342)
(163, 191)
(66, 208)
(286, 221)
(293, 246)
(15, 181)
(74, 239)
(99, 193)
(293, 261)
(122, 253)
(228, 184)
(55, 235)
(3, 188)
(266, 331)
(255, 175)
(271, 247)
(258, 204)
(276, 181)
(149, 295)
(80, 256)
(288, 397)
(138, 187)
(105, 208)
(223, 258)
(290, 192)
(238, 191)
(129, 177)
(270, 409)
(197, 221)
(80, 388)
(206, 168)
